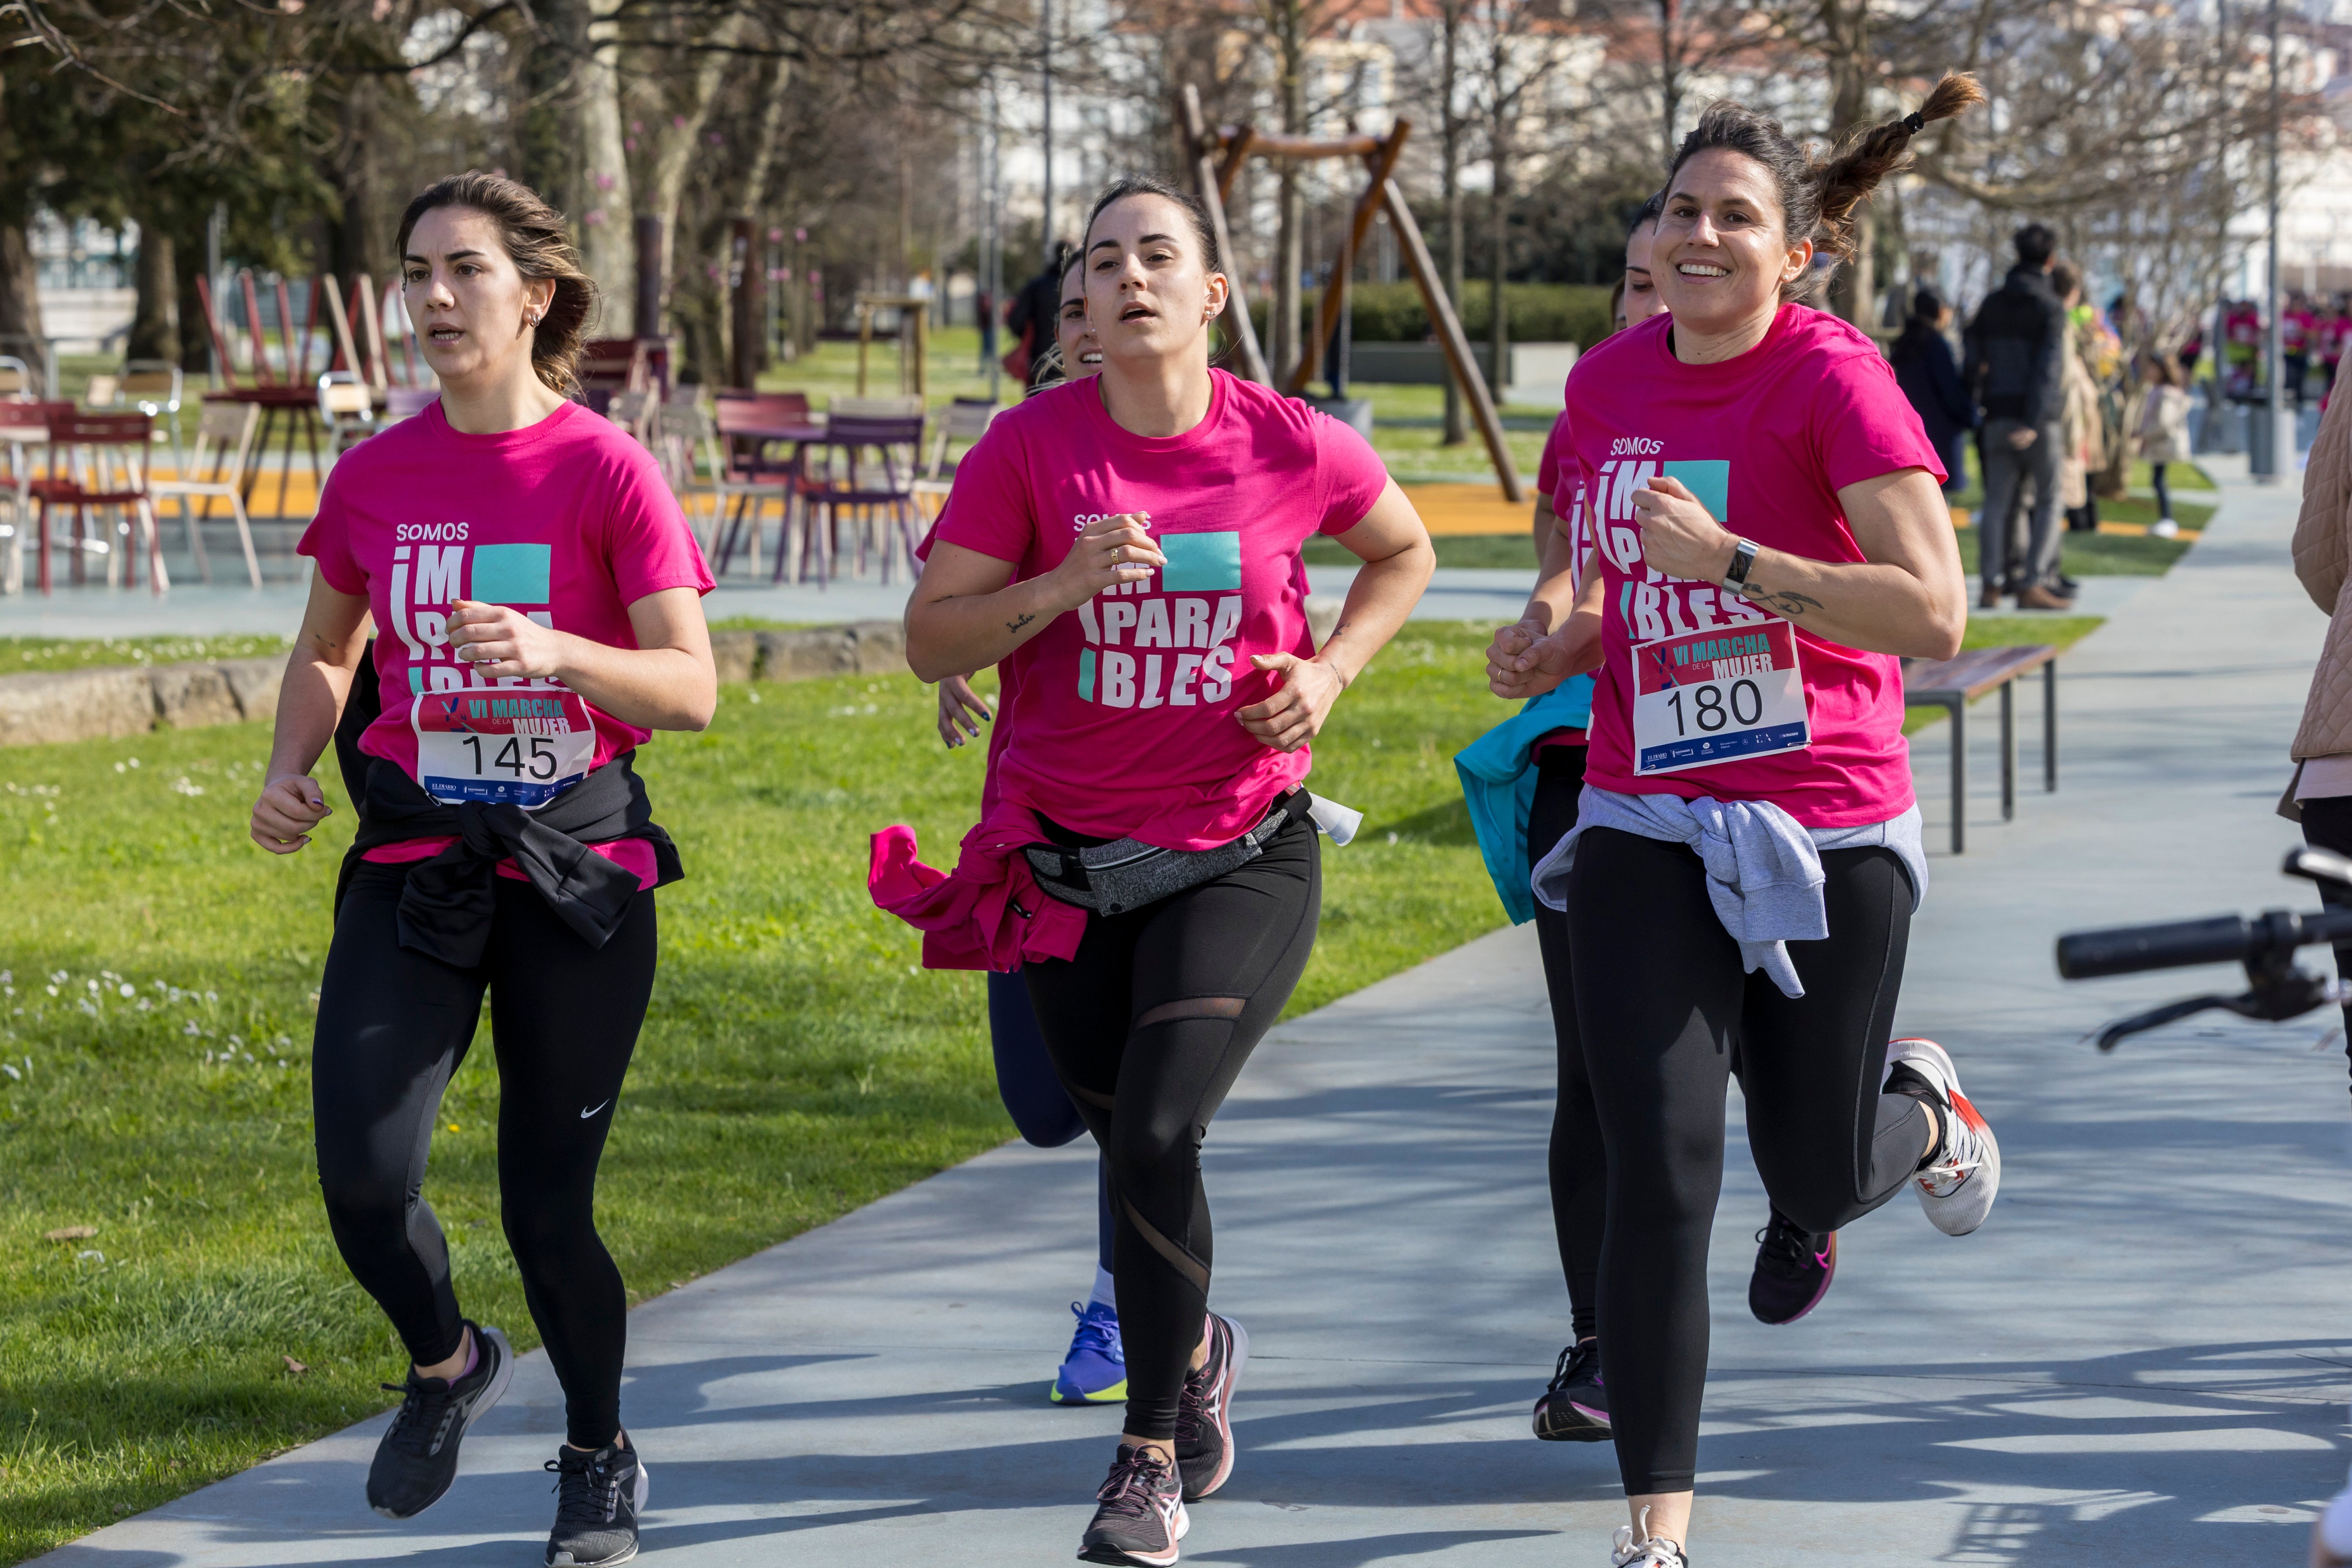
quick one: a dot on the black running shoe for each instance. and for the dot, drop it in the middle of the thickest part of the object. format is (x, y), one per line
(418, 1457)
(1204, 1411)
(1793, 1270)
(1575, 1408)
(598, 1498)
(1141, 1514)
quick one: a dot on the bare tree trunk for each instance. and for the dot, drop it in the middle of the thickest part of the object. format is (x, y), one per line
(573, 148)
(1855, 286)
(360, 239)
(608, 249)
(20, 287)
(1670, 81)
(155, 318)
(1457, 430)
(752, 199)
(1289, 255)
(1499, 226)
(677, 136)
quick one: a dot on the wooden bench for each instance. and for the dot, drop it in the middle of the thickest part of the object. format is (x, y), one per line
(1954, 683)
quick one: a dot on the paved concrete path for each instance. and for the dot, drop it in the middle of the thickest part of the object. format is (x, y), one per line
(2141, 1360)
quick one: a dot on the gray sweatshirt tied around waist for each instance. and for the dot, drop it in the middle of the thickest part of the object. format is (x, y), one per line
(1763, 871)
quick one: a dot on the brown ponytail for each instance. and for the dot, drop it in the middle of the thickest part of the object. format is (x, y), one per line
(1846, 180)
(542, 247)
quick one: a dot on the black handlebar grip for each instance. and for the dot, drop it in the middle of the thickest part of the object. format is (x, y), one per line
(2127, 949)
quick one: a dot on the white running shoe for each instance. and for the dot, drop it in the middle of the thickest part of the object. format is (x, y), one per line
(1655, 1553)
(1956, 1188)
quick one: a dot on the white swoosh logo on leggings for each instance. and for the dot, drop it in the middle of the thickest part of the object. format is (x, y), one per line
(594, 1109)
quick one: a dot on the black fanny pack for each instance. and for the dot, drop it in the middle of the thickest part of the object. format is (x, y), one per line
(1127, 873)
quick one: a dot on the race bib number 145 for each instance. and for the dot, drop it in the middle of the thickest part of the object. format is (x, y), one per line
(517, 745)
(1717, 697)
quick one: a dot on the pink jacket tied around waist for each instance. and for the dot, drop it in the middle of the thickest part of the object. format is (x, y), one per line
(989, 914)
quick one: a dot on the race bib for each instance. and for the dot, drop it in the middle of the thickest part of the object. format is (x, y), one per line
(1725, 696)
(517, 745)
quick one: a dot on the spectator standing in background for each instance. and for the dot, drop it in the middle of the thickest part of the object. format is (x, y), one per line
(1031, 315)
(2327, 333)
(2081, 437)
(2241, 351)
(2014, 365)
(1929, 375)
(2296, 324)
(2163, 432)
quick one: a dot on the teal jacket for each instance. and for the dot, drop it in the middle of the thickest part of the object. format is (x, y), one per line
(1498, 782)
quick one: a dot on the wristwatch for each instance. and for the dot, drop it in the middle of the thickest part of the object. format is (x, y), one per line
(1735, 576)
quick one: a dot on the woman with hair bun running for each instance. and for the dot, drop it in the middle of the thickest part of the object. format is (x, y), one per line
(1747, 855)
(540, 596)
(1153, 835)
(1551, 732)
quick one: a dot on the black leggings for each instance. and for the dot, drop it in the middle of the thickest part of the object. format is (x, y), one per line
(2327, 824)
(1149, 1024)
(1661, 1004)
(1041, 1109)
(1579, 1172)
(392, 1026)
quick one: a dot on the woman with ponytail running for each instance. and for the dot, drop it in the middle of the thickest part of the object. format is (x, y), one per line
(540, 594)
(1153, 839)
(1747, 855)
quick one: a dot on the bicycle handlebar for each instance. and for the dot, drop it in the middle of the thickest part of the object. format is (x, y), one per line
(2176, 944)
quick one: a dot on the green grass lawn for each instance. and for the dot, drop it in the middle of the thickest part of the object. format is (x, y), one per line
(21, 656)
(157, 973)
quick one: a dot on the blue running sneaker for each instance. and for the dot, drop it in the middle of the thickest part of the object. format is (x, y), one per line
(1095, 1371)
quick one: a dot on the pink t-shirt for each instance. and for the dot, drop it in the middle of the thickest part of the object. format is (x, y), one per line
(1766, 441)
(568, 520)
(1122, 712)
(1556, 448)
(1006, 687)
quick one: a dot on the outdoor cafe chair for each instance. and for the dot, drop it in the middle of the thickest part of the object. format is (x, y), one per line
(876, 408)
(104, 469)
(17, 427)
(967, 420)
(739, 491)
(225, 434)
(23, 424)
(154, 387)
(633, 412)
(346, 408)
(103, 392)
(842, 477)
(742, 421)
(17, 379)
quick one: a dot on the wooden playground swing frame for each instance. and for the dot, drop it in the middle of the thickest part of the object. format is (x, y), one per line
(1215, 159)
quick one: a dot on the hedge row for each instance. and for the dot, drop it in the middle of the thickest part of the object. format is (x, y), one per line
(1538, 312)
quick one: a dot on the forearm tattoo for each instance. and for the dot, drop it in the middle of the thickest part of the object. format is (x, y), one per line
(1788, 603)
(1016, 625)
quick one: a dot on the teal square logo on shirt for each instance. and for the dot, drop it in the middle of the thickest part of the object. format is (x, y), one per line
(1707, 478)
(1200, 563)
(513, 574)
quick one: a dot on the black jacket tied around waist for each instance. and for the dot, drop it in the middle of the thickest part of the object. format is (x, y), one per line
(446, 908)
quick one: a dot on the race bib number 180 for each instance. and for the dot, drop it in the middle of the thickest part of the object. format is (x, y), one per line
(515, 745)
(1725, 696)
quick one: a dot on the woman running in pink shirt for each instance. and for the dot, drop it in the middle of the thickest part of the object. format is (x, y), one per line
(1770, 540)
(1166, 691)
